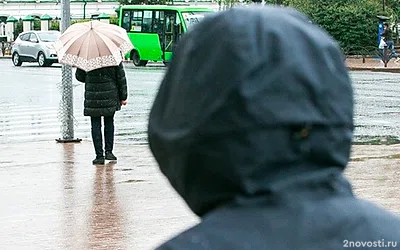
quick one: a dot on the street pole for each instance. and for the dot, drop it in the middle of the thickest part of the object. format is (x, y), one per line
(66, 114)
(84, 9)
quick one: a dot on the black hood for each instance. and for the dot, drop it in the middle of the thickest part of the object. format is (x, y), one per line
(254, 98)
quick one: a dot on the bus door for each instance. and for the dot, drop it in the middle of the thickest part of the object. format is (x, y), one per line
(159, 28)
(172, 32)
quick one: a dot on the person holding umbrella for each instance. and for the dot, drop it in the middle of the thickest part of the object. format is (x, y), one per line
(97, 50)
(105, 92)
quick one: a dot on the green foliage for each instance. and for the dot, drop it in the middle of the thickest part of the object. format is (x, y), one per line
(54, 25)
(80, 21)
(353, 23)
(226, 4)
(18, 29)
(114, 20)
(36, 24)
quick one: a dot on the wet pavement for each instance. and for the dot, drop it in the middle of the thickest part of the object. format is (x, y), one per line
(53, 198)
(29, 104)
(377, 107)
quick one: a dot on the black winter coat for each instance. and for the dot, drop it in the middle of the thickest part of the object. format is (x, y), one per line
(105, 88)
(255, 137)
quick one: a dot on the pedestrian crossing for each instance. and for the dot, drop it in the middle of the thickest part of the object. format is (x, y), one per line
(30, 105)
(25, 124)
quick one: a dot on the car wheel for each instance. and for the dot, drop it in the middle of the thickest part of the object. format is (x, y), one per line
(16, 59)
(42, 60)
(135, 57)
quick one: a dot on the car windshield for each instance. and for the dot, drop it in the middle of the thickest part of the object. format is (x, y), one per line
(49, 36)
(192, 17)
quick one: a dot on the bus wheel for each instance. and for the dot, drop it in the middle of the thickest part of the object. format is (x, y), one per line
(136, 59)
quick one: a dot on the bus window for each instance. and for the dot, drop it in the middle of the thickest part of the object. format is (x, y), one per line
(158, 22)
(147, 20)
(126, 20)
(137, 20)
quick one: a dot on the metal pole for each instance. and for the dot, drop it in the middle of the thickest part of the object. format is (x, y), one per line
(84, 9)
(66, 105)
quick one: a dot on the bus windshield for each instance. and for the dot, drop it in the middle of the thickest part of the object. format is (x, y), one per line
(192, 17)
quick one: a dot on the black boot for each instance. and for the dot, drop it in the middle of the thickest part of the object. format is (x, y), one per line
(110, 156)
(99, 160)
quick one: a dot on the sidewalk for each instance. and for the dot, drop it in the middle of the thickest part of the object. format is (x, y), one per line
(53, 196)
(374, 64)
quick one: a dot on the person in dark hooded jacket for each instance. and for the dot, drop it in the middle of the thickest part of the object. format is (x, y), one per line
(252, 125)
(105, 92)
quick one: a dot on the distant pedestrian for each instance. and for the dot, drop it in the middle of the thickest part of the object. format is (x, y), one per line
(105, 92)
(253, 126)
(388, 38)
(381, 48)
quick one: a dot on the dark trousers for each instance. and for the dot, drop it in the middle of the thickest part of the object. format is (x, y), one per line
(97, 135)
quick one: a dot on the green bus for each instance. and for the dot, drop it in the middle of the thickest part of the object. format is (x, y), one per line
(155, 29)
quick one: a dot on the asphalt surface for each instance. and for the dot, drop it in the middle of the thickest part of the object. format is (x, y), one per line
(53, 198)
(30, 104)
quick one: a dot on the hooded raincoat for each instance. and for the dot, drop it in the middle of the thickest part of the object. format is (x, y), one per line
(252, 126)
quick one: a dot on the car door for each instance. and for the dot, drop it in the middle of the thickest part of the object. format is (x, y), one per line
(33, 46)
(22, 45)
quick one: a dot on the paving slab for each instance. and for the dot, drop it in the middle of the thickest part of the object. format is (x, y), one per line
(54, 198)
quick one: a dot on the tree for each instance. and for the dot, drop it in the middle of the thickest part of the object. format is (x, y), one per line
(352, 23)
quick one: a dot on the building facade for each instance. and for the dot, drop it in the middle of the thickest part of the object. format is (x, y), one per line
(79, 9)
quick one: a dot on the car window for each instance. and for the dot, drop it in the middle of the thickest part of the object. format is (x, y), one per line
(25, 37)
(49, 36)
(33, 38)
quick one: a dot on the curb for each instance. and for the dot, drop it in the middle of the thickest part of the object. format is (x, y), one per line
(374, 69)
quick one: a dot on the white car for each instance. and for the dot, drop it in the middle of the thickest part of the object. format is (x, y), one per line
(35, 46)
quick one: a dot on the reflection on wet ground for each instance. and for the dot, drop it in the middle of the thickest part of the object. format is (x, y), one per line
(30, 98)
(53, 198)
(29, 107)
(105, 212)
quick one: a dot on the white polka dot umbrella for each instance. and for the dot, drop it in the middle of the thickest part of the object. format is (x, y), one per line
(92, 45)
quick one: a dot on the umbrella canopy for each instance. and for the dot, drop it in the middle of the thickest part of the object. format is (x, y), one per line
(92, 45)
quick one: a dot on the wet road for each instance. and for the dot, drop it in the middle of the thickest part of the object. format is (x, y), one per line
(377, 107)
(29, 105)
(30, 98)
(53, 198)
